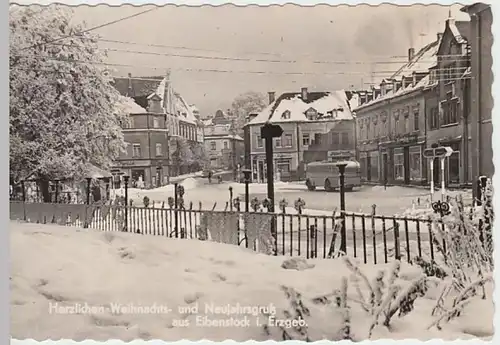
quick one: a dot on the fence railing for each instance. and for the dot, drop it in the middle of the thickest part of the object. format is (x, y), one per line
(374, 238)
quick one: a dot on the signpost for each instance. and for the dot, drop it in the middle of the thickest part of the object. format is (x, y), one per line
(268, 132)
(441, 152)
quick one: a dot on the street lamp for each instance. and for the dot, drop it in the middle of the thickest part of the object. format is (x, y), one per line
(246, 173)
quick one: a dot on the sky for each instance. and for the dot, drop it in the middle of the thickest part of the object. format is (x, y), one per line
(323, 48)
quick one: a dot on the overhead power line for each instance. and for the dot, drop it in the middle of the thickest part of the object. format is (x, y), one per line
(163, 69)
(456, 57)
(384, 57)
(91, 29)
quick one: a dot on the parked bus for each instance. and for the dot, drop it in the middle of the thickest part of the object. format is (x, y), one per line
(326, 175)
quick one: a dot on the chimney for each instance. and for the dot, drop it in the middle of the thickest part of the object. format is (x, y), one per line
(271, 96)
(411, 54)
(304, 93)
(383, 88)
(439, 36)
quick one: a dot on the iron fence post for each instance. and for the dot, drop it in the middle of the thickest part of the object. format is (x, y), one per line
(125, 182)
(176, 229)
(343, 240)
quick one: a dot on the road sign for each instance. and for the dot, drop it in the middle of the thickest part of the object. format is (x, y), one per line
(271, 131)
(438, 152)
(428, 153)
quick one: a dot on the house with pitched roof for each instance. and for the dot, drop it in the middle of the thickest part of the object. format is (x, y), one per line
(305, 118)
(391, 124)
(449, 103)
(424, 103)
(223, 146)
(159, 119)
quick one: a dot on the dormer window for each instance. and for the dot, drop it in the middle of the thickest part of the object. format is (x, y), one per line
(311, 114)
(285, 115)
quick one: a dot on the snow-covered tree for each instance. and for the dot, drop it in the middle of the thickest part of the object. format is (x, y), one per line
(200, 158)
(182, 155)
(64, 113)
(245, 104)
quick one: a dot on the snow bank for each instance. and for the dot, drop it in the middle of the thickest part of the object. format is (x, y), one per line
(68, 283)
(261, 188)
(156, 194)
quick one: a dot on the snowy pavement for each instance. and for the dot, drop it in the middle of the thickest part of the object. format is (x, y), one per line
(78, 284)
(395, 200)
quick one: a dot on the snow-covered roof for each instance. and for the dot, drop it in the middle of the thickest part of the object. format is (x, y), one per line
(133, 108)
(329, 106)
(421, 61)
(173, 103)
(95, 172)
(420, 64)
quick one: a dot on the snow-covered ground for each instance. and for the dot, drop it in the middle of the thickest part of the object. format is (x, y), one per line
(126, 286)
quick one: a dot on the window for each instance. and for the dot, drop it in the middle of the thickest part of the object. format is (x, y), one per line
(450, 109)
(158, 149)
(213, 145)
(283, 166)
(288, 142)
(136, 150)
(345, 138)
(416, 118)
(335, 138)
(415, 163)
(226, 145)
(306, 139)
(399, 172)
(453, 111)
(277, 142)
(317, 139)
(286, 115)
(432, 76)
(260, 142)
(434, 118)
(373, 165)
(311, 114)
(156, 122)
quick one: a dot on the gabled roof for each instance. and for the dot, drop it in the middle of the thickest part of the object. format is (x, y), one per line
(422, 61)
(330, 106)
(133, 108)
(459, 30)
(136, 87)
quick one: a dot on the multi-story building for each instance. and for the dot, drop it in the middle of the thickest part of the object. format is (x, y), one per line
(224, 148)
(427, 104)
(159, 119)
(449, 119)
(481, 127)
(391, 122)
(305, 118)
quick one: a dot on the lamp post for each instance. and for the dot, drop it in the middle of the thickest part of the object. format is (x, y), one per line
(247, 173)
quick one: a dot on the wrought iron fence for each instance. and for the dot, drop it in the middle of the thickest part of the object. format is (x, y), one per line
(373, 238)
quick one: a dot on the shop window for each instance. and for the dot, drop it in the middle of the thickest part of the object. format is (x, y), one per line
(399, 171)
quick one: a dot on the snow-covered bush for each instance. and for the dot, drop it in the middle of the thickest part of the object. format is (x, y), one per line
(388, 296)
